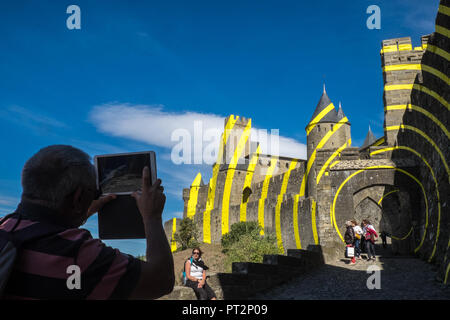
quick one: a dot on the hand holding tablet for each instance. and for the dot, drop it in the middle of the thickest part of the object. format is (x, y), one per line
(122, 175)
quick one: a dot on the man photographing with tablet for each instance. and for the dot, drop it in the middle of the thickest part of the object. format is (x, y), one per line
(59, 194)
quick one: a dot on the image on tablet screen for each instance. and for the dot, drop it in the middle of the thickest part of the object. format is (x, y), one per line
(121, 174)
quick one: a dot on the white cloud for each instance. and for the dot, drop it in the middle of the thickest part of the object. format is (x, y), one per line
(30, 118)
(152, 125)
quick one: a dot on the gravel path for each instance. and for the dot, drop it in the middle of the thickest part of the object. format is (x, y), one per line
(400, 278)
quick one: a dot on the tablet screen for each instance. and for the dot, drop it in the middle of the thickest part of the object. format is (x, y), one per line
(121, 174)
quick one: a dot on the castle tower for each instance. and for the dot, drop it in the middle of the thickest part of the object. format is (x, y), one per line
(328, 129)
(401, 65)
(231, 174)
(235, 130)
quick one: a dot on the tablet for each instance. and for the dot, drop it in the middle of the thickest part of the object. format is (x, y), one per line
(121, 174)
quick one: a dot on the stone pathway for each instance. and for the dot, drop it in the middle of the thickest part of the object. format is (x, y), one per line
(400, 278)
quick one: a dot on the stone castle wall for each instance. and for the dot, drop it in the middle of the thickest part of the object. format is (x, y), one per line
(400, 182)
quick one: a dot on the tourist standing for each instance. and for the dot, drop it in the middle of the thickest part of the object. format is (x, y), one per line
(349, 238)
(358, 235)
(370, 236)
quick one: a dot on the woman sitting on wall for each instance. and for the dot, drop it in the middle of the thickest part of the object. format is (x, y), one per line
(196, 276)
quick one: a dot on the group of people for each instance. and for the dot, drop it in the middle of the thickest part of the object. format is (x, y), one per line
(359, 237)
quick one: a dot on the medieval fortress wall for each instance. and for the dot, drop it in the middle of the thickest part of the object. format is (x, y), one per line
(399, 181)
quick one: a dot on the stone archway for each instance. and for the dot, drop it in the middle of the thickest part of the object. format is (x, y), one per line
(370, 210)
(389, 210)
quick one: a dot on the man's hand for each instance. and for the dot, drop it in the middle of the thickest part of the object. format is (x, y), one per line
(96, 205)
(151, 200)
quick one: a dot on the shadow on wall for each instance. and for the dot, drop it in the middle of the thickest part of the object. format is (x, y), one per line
(425, 138)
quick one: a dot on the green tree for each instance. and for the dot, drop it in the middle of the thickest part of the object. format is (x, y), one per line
(187, 235)
(238, 230)
(245, 244)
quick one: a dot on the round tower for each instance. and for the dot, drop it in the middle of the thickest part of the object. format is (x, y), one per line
(328, 129)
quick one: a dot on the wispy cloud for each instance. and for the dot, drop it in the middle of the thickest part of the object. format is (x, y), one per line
(152, 125)
(38, 122)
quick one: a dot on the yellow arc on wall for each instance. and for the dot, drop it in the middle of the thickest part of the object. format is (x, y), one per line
(421, 110)
(424, 135)
(279, 201)
(248, 181)
(319, 117)
(193, 196)
(309, 164)
(334, 155)
(333, 205)
(212, 182)
(229, 178)
(265, 189)
(173, 243)
(435, 183)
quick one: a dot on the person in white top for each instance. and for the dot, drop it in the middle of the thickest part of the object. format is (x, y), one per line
(358, 236)
(195, 270)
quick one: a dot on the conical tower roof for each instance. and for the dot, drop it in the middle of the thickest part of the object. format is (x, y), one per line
(370, 139)
(325, 111)
(340, 113)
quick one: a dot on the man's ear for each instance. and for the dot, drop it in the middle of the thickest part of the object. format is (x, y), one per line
(77, 197)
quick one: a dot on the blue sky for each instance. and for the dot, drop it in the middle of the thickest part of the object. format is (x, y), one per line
(138, 70)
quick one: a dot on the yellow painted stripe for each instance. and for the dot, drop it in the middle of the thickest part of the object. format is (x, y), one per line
(334, 155)
(314, 223)
(392, 87)
(248, 181)
(385, 195)
(435, 184)
(391, 48)
(173, 243)
(446, 273)
(424, 135)
(405, 237)
(444, 31)
(437, 73)
(280, 197)
(379, 142)
(212, 182)
(334, 163)
(423, 111)
(193, 196)
(319, 117)
(333, 214)
(439, 51)
(418, 87)
(312, 158)
(398, 67)
(443, 9)
(229, 178)
(405, 47)
(265, 189)
(402, 67)
(309, 164)
(295, 221)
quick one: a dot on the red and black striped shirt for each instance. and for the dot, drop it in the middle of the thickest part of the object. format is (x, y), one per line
(41, 267)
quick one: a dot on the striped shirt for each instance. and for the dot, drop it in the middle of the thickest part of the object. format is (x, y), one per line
(41, 267)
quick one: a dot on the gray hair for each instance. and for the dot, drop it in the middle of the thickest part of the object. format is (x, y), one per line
(56, 171)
